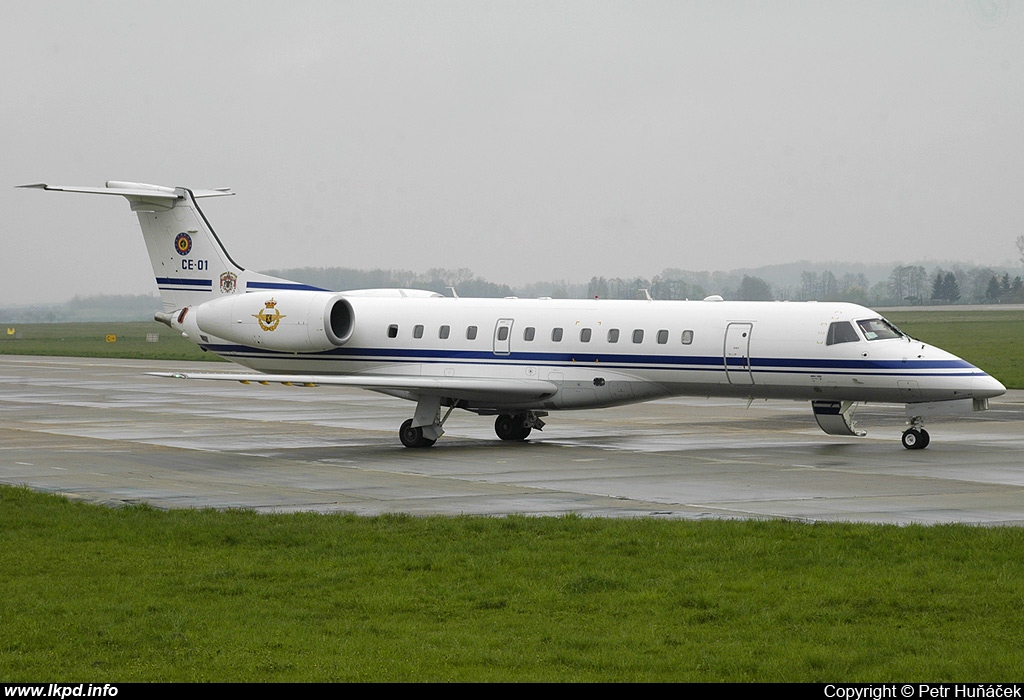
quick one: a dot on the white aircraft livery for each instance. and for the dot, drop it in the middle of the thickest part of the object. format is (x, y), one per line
(520, 359)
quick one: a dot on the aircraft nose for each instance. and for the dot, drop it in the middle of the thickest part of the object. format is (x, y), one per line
(986, 387)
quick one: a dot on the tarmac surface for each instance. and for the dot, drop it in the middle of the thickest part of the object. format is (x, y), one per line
(105, 432)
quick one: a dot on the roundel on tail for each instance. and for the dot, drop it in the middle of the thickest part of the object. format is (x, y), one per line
(183, 243)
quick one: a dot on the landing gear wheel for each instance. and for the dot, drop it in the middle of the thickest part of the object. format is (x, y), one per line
(509, 427)
(413, 437)
(916, 439)
(505, 427)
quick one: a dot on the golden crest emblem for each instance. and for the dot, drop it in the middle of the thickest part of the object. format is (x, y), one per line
(270, 317)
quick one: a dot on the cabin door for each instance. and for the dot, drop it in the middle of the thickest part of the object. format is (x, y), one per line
(737, 353)
(502, 336)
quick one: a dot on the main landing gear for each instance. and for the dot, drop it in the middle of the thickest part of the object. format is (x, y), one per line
(423, 429)
(517, 426)
(916, 437)
(413, 437)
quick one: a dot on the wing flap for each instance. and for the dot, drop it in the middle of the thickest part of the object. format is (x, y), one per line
(451, 387)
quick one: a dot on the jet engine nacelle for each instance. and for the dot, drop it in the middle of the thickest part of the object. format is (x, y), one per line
(281, 320)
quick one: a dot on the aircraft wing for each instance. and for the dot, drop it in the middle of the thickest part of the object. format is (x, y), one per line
(449, 387)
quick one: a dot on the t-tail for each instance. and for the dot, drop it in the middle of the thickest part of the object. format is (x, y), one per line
(190, 263)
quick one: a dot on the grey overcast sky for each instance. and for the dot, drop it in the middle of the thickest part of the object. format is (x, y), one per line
(524, 140)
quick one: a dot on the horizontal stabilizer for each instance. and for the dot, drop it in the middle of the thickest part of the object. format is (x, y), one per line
(130, 190)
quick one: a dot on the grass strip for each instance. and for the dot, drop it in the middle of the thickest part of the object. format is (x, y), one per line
(137, 594)
(115, 339)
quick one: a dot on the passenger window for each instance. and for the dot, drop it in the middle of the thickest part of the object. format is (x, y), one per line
(393, 331)
(638, 336)
(503, 333)
(662, 337)
(841, 332)
(443, 332)
(687, 337)
(613, 335)
(556, 335)
(529, 333)
(471, 333)
(585, 335)
(417, 331)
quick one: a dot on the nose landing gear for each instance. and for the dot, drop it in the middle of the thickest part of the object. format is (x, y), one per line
(916, 437)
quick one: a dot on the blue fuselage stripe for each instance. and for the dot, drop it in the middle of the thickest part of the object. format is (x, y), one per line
(166, 282)
(283, 285)
(955, 367)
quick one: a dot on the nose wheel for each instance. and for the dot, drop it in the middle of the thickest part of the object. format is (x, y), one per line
(915, 438)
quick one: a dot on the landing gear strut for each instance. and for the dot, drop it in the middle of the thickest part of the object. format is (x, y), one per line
(424, 428)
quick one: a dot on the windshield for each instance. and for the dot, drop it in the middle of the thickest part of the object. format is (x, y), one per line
(878, 329)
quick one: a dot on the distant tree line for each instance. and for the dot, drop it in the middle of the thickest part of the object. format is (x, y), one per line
(975, 285)
(435, 280)
(103, 307)
(678, 284)
(905, 285)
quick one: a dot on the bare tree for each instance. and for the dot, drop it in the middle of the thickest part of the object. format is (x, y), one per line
(809, 285)
(898, 283)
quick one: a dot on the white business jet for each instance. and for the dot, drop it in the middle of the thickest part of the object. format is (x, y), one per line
(519, 359)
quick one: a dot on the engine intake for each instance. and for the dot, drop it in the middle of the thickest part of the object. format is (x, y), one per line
(284, 320)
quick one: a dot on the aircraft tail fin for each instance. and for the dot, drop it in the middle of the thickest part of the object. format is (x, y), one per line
(189, 261)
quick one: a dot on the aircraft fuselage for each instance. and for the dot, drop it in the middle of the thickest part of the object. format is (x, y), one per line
(607, 352)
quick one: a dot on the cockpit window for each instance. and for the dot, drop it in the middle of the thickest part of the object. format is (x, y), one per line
(878, 329)
(841, 332)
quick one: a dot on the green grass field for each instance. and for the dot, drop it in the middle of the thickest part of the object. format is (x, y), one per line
(90, 340)
(133, 594)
